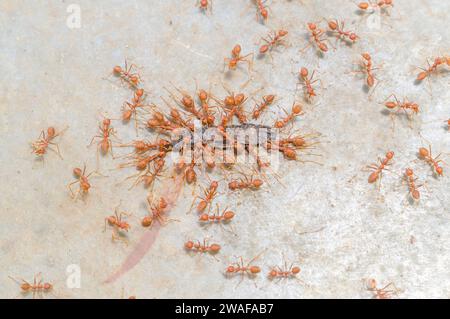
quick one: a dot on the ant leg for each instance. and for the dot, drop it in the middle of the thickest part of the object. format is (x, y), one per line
(70, 188)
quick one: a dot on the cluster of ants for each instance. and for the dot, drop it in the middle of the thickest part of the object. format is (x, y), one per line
(184, 110)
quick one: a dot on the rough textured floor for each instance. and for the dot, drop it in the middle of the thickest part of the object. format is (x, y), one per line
(55, 75)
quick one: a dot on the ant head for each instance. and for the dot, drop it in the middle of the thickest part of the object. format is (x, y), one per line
(439, 170)
(415, 108)
(366, 56)
(409, 172)
(134, 79)
(353, 37)
(117, 69)
(142, 164)
(204, 3)
(372, 284)
(269, 98)
(279, 124)
(312, 26)
(228, 215)
(151, 123)
(323, 47)
(264, 48)
(282, 33)
(304, 72)
(290, 153)
(191, 176)
(214, 248)
(189, 244)
(297, 109)
(264, 13)
(77, 172)
(202, 95)
(332, 25)
(187, 102)
(214, 184)
(363, 5)
(233, 185)
(106, 122)
(48, 286)
(423, 152)
(415, 194)
(51, 132)
(390, 154)
(230, 101)
(25, 286)
(295, 270)
(298, 141)
(139, 92)
(257, 183)
(236, 50)
(230, 269)
(239, 98)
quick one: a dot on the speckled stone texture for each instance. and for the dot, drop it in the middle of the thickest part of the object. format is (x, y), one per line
(56, 75)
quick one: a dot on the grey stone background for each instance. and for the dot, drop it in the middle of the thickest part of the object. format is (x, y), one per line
(54, 75)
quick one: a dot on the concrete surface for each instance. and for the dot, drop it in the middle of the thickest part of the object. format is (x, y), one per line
(55, 75)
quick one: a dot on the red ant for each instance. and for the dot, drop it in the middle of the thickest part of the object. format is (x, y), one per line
(225, 216)
(381, 293)
(105, 144)
(125, 74)
(204, 5)
(152, 173)
(405, 106)
(338, 28)
(130, 109)
(378, 169)
(308, 83)
(208, 118)
(259, 108)
(209, 194)
(413, 189)
(82, 179)
(380, 4)
(117, 223)
(296, 111)
(448, 124)
(316, 37)
(236, 58)
(368, 69)
(262, 10)
(37, 287)
(274, 39)
(245, 183)
(427, 156)
(157, 212)
(432, 68)
(202, 248)
(242, 269)
(158, 122)
(43, 143)
(285, 272)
